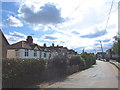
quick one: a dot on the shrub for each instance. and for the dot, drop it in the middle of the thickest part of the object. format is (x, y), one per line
(89, 58)
(59, 65)
(16, 67)
(59, 62)
(77, 60)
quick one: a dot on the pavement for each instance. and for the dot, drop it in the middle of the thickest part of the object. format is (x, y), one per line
(117, 64)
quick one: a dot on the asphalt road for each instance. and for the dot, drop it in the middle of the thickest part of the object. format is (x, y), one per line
(102, 75)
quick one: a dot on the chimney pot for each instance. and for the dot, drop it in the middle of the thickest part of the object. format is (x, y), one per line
(29, 39)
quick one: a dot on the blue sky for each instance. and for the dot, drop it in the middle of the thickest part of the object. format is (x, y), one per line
(75, 24)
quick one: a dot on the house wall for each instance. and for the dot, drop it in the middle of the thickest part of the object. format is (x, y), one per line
(3, 46)
(53, 54)
(0, 46)
(47, 55)
(11, 53)
(4, 49)
(1, 61)
(30, 54)
(40, 54)
(20, 53)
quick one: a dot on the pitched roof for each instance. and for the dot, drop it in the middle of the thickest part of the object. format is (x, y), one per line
(20, 45)
(3, 37)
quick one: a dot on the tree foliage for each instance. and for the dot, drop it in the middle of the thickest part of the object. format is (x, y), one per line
(116, 45)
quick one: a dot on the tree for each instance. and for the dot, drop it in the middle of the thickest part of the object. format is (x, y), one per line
(77, 60)
(116, 45)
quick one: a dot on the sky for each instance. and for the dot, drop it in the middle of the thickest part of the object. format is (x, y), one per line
(75, 24)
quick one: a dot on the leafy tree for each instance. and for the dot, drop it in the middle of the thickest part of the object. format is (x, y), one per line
(116, 45)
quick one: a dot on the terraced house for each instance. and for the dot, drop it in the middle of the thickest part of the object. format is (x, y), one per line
(28, 49)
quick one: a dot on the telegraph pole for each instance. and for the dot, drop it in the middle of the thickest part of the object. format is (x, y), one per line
(102, 49)
(95, 51)
(83, 50)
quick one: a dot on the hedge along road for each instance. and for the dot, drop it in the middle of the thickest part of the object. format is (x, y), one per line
(101, 75)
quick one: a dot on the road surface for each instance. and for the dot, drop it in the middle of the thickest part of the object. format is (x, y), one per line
(102, 75)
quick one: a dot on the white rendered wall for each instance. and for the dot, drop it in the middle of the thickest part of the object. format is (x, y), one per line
(11, 53)
(30, 54)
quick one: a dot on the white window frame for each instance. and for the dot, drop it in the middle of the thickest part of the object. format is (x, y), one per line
(26, 52)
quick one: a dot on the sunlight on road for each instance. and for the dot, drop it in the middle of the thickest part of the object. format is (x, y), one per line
(101, 75)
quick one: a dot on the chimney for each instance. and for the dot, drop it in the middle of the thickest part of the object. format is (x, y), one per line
(52, 44)
(44, 44)
(29, 39)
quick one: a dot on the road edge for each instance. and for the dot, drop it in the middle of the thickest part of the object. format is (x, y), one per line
(115, 65)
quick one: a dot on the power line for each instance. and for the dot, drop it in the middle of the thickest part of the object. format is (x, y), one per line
(109, 15)
(76, 8)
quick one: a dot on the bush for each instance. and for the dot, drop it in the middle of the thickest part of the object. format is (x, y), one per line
(13, 68)
(77, 60)
(59, 62)
(89, 58)
(59, 65)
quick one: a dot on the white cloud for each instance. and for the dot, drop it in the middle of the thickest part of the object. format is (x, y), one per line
(47, 14)
(13, 21)
(43, 27)
(1, 25)
(91, 15)
(14, 37)
(68, 39)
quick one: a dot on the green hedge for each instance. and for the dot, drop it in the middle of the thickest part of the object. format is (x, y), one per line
(89, 58)
(78, 60)
(84, 60)
(13, 68)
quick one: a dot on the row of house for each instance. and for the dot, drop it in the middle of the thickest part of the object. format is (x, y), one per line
(28, 49)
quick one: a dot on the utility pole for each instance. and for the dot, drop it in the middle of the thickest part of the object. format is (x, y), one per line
(102, 50)
(95, 51)
(83, 50)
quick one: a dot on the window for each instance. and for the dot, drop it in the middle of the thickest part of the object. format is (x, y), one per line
(40, 54)
(26, 52)
(44, 54)
(16, 52)
(49, 56)
(35, 53)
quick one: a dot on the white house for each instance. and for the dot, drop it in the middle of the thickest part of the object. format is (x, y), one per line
(28, 49)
